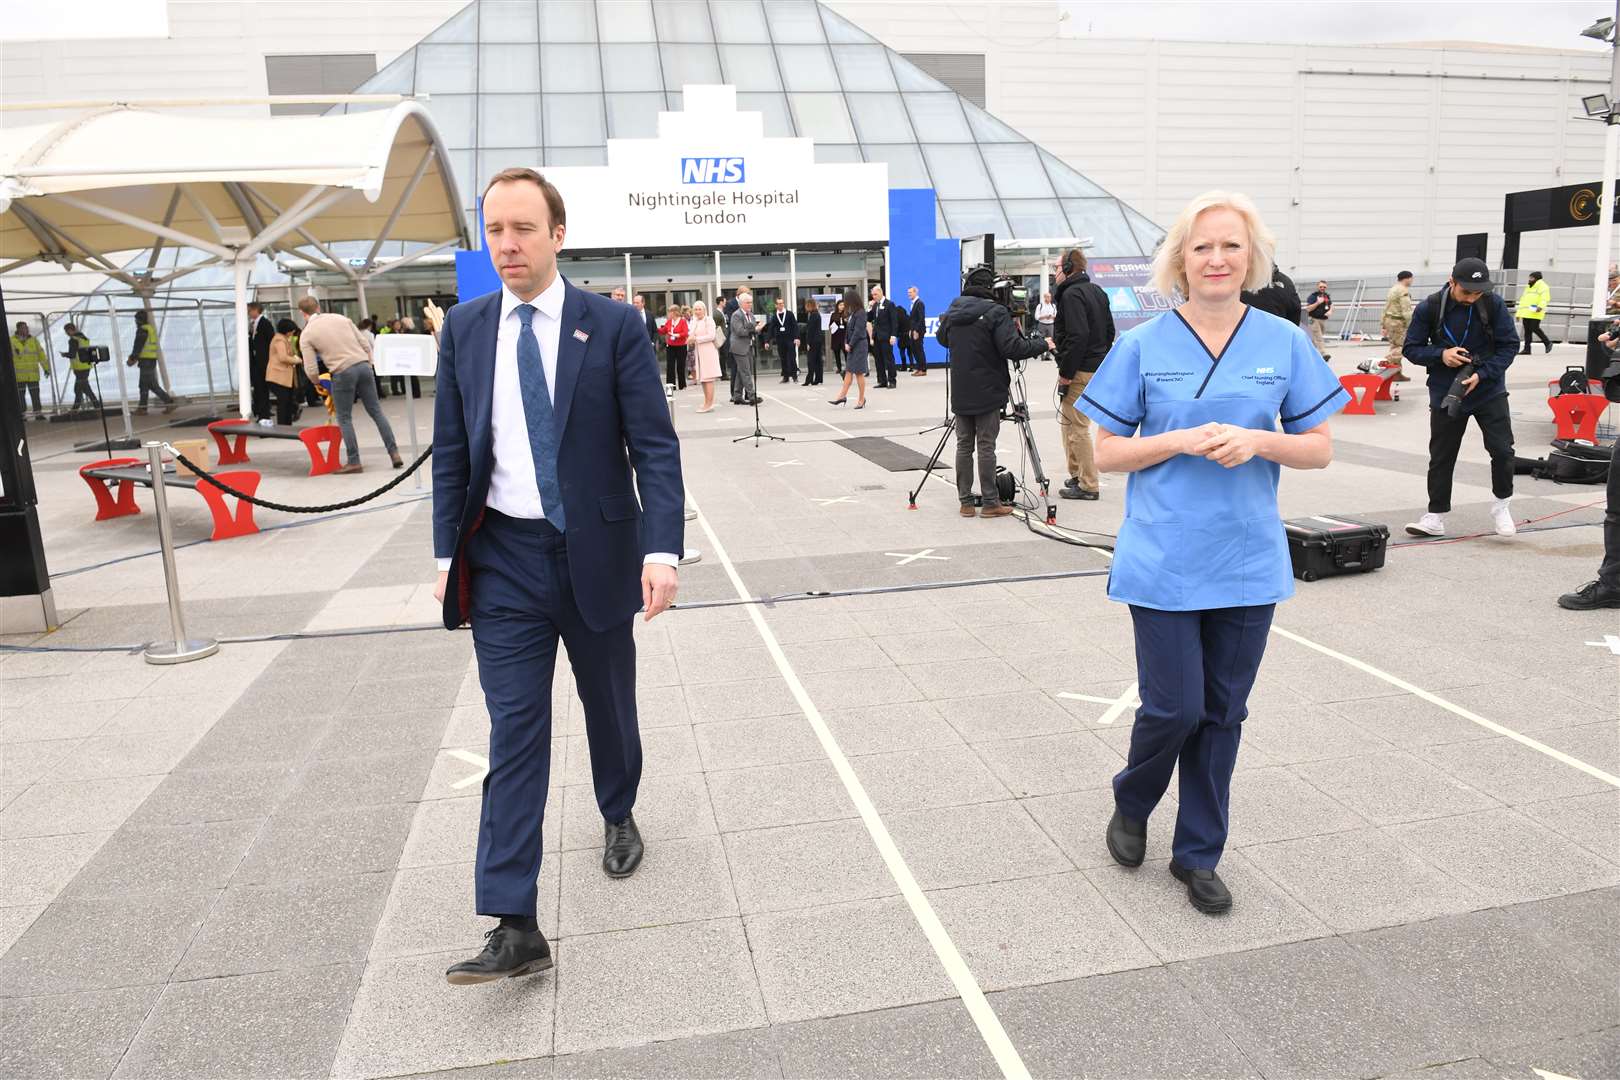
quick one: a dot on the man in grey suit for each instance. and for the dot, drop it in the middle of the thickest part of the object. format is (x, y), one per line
(741, 331)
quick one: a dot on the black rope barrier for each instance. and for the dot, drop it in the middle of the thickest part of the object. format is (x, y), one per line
(285, 508)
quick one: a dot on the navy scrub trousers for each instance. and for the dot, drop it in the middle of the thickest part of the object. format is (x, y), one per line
(522, 603)
(1194, 670)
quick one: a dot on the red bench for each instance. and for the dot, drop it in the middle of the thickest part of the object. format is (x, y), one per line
(127, 472)
(1372, 388)
(230, 436)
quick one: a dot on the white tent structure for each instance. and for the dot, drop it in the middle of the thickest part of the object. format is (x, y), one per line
(120, 178)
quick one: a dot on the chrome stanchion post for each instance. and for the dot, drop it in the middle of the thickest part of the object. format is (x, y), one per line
(691, 555)
(182, 648)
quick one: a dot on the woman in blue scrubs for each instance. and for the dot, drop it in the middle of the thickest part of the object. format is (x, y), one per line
(1202, 406)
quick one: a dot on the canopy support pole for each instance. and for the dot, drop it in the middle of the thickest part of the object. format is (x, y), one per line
(118, 364)
(719, 283)
(629, 292)
(792, 297)
(184, 239)
(399, 207)
(243, 265)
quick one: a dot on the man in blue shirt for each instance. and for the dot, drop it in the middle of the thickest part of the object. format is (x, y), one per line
(1465, 325)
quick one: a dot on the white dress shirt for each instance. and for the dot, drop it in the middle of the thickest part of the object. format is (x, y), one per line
(513, 489)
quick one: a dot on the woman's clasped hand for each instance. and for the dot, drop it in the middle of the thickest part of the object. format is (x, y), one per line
(1228, 445)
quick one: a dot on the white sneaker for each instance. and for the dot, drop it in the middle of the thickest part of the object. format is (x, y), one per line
(1428, 525)
(1502, 515)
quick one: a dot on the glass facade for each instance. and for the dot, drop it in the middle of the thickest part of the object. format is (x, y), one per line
(549, 81)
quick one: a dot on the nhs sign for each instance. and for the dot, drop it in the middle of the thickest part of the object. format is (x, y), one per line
(712, 170)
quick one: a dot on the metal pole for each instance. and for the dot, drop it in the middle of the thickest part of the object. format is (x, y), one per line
(182, 648)
(208, 360)
(629, 292)
(119, 364)
(719, 284)
(244, 373)
(1600, 267)
(410, 421)
(793, 280)
(691, 554)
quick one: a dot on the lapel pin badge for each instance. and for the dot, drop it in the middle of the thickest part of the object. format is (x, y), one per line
(580, 335)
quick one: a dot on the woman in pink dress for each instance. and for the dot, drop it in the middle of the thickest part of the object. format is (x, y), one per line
(707, 353)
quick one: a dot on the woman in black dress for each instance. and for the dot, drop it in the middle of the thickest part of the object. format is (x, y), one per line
(857, 343)
(810, 333)
(835, 335)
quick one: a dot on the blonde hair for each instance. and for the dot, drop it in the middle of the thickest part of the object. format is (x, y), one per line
(699, 304)
(1170, 263)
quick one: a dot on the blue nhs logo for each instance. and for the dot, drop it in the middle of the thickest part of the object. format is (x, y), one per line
(712, 170)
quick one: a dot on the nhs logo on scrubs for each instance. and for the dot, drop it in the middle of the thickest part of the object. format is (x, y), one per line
(712, 170)
(1265, 371)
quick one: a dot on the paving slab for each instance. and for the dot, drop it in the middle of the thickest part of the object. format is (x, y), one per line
(1505, 856)
(921, 779)
(433, 908)
(733, 1055)
(104, 942)
(37, 867)
(357, 840)
(1051, 764)
(296, 924)
(71, 1035)
(974, 844)
(917, 1041)
(678, 881)
(140, 859)
(57, 807)
(773, 795)
(810, 865)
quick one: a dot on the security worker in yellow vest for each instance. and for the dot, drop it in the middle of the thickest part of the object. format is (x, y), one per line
(27, 358)
(145, 353)
(78, 345)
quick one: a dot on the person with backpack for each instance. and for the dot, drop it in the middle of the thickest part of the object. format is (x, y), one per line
(1464, 336)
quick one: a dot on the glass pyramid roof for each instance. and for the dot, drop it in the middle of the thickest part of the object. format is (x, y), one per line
(547, 82)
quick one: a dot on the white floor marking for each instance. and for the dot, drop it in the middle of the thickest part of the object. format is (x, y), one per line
(1435, 699)
(1610, 642)
(1119, 705)
(1545, 1075)
(470, 758)
(911, 557)
(839, 499)
(780, 464)
(956, 969)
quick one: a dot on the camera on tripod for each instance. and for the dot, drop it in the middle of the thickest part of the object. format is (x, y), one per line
(94, 354)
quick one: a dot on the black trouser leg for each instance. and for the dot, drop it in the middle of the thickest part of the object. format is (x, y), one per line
(1609, 569)
(919, 353)
(1496, 425)
(285, 403)
(1533, 330)
(1445, 439)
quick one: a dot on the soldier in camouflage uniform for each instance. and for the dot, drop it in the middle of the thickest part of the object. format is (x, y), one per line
(1397, 317)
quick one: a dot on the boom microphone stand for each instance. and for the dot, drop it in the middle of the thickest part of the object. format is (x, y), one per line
(759, 432)
(946, 421)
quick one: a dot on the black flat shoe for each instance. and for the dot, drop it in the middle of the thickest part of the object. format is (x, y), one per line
(508, 953)
(621, 848)
(1205, 889)
(1127, 839)
(1590, 597)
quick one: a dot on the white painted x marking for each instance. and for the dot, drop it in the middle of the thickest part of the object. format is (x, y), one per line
(840, 499)
(470, 758)
(1115, 705)
(1610, 642)
(911, 557)
(779, 464)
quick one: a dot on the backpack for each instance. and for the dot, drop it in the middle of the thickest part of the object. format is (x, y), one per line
(1574, 462)
(1488, 307)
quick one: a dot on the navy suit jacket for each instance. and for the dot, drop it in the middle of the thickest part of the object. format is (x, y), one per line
(611, 415)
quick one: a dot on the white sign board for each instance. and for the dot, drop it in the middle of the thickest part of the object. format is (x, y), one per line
(712, 179)
(405, 354)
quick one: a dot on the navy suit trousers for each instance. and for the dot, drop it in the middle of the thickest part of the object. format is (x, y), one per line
(522, 604)
(1194, 673)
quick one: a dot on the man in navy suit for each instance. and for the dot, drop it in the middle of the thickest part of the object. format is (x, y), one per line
(782, 330)
(884, 321)
(547, 397)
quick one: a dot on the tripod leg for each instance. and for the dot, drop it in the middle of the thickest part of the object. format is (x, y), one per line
(1028, 433)
(950, 428)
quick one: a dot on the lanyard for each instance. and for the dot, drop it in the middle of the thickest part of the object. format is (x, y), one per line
(1466, 327)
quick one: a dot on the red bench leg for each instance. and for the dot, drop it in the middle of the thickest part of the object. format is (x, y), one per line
(322, 462)
(106, 505)
(232, 448)
(226, 524)
(1360, 404)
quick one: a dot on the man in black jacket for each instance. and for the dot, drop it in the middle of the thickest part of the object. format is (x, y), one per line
(260, 332)
(884, 322)
(981, 338)
(1084, 332)
(1280, 298)
(916, 327)
(782, 331)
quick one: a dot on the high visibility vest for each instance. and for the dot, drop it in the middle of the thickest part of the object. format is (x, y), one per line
(27, 357)
(149, 348)
(78, 362)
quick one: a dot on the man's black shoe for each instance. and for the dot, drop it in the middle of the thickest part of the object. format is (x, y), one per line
(1127, 839)
(621, 848)
(1205, 889)
(1072, 482)
(508, 953)
(1076, 493)
(1590, 597)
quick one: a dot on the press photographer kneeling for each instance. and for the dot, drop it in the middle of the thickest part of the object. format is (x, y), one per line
(983, 340)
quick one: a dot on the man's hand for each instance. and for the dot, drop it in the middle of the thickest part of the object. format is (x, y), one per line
(1051, 346)
(1230, 446)
(894, 341)
(1064, 381)
(439, 586)
(1455, 357)
(658, 588)
(1469, 384)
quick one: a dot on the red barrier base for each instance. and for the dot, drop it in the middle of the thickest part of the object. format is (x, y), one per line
(1577, 415)
(226, 523)
(322, 461)
(1361, 404)
(106, 505)
(229, 454)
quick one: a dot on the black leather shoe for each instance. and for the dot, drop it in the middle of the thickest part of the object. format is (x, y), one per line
(508, 953)
(1127, 839)
(1590, 597)
(1077, 493)
(621, 848)
(1205, 889)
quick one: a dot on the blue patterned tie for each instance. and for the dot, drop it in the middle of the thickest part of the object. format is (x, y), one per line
(538, 414)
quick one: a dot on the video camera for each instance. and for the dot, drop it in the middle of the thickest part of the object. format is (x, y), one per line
(94, 354)
(1010, 294)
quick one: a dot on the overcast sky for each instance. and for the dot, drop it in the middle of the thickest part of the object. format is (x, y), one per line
(1550, 23)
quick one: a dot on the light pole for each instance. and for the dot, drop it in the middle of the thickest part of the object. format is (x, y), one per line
(1604, 30)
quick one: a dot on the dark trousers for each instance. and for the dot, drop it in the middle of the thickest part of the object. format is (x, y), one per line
(1194, 671)
(82, 392)
(1445, 439)
(260, 398)
(675, 365)
(24, 390)
(918, 355)
(1532, 329)
(149, 382)
(883, 354)
(396, 383)
(813, 366)
(979, 433)
(788, 357)
(1609, 569)
(286, 403)
(522, 604)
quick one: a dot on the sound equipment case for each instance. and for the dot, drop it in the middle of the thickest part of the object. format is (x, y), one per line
(1323, 546)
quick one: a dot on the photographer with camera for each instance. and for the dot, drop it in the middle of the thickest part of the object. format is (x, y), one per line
(1604, 590)
(982, 340)
(1084, 332)
(1464, 335)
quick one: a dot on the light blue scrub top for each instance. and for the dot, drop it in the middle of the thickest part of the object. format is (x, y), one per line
(1198, 535)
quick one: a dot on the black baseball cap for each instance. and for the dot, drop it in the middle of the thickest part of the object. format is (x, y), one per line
(1472, 275)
